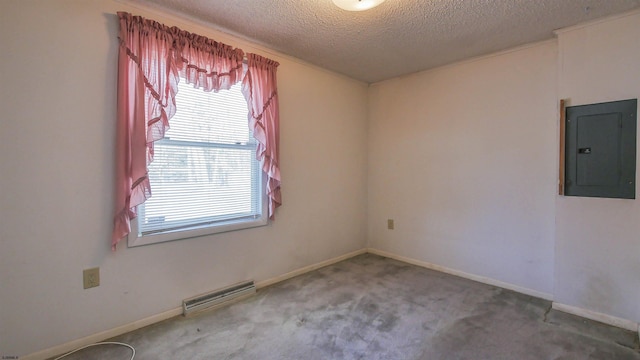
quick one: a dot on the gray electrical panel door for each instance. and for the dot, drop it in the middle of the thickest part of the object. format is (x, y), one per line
(601, 150)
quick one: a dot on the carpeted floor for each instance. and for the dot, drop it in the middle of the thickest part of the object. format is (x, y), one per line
(370, 307)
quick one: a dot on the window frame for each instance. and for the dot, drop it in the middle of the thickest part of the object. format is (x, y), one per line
(135, 238)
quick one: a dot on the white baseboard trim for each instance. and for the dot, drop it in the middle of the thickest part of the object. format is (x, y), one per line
(587, 314)
(101, 336)
(596, 316)
(309, 268)
(478, 278)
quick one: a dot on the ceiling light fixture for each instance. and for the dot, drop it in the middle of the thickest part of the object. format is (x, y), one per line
(357, 5)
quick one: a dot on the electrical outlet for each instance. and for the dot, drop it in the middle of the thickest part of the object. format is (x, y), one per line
(91, 277)
(390, 224)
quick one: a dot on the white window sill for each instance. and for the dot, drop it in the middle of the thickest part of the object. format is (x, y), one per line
(232, 225)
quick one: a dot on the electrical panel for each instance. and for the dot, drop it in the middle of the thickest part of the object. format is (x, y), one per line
(600, 152)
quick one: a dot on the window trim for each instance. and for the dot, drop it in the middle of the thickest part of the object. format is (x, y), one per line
(135, 239)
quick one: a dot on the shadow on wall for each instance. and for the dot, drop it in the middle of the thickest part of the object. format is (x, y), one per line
(599, 293)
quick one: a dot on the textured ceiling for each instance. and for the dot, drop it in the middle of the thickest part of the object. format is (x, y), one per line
(396, 38)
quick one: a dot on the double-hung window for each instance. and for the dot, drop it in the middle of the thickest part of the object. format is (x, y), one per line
(204, 177)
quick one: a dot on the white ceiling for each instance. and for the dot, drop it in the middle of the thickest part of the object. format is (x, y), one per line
(396, 38)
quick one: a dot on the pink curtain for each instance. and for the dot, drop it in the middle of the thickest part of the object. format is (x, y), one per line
(152, 57)
(260, 90)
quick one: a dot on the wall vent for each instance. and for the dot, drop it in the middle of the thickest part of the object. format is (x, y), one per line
(218, 297)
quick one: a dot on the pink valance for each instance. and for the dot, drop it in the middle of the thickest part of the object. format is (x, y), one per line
(151, 59)
(260, 90)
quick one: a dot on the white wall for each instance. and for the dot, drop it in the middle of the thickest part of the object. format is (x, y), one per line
(57, 160)
(598, 240)
(463, 158)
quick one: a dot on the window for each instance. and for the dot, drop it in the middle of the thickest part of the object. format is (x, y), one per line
(205, 178)
(203, 173)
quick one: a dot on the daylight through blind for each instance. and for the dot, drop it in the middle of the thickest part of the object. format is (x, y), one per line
(204, 171)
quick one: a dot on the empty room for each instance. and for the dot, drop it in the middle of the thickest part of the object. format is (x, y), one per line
(319, 179)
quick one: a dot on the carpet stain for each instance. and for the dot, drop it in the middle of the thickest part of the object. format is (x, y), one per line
(370, 307)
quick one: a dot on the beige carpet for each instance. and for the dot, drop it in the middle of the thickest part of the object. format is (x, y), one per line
(370, 307)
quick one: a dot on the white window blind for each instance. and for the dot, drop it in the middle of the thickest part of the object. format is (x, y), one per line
(204, 171)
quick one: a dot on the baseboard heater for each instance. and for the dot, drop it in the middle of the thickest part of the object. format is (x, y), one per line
(217, 298)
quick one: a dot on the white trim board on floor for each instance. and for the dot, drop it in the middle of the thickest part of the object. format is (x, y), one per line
(462, 274)
(306, 269)
(107, 334)
(587, 314)
(101, 336)
(596, 316)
